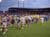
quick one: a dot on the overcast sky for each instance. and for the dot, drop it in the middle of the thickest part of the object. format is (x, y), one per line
(5, 4)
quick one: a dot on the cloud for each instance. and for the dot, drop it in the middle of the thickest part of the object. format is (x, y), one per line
(27, 4)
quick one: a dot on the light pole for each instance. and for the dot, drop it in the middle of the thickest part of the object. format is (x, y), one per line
(18, 3)
(0, 1)
(23, 4)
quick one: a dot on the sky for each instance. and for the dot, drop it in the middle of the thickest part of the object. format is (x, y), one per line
(5, 4)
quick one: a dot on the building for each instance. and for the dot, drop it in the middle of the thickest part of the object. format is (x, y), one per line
(29, 11)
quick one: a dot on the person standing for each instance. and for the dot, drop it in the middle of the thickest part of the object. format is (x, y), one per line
(18, 22)
(23, 21)
(4, 24)
(46, 18)
(42, 20)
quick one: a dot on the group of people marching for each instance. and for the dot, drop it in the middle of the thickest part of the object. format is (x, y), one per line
(21, 21)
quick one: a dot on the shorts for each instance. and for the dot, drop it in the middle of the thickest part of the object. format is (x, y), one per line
(23, 22)
(29, 21)
(26, 21)
(18, 21)
(8, 23)
(12, 22)
(4, 26)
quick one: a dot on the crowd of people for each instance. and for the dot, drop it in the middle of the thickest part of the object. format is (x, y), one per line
(21, 21)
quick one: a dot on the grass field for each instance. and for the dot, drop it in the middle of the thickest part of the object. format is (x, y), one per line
(34, 30)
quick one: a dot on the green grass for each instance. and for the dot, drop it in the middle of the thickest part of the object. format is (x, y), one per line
(34, 30)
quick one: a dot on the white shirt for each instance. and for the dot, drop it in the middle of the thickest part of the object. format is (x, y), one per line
(22, 19)
(42, 19)
(29, 17)
(4, 19)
